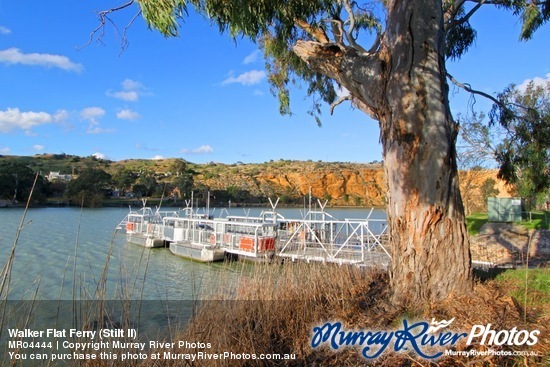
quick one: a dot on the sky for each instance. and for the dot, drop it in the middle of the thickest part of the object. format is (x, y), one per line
(202, 97)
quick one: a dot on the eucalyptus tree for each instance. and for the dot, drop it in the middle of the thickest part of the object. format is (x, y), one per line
(390, 56)
(182, 177)
(90, 187)
(515, 137)
(524, 153)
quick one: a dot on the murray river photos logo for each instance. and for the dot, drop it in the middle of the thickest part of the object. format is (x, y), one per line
(428, 340)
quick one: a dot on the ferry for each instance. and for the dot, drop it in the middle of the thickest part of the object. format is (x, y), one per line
(207, 240)
(144, 227)
(317, 236)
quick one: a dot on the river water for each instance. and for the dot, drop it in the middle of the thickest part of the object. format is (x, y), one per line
(64, 253)
(69, 261)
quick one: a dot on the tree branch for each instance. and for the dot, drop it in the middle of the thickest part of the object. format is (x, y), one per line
(359, 73)
(337, 30)
(453, 10)
(351, 28)
(338, 102)
(102, 16)
(465, 18)
(124, 38)
(469, 89)
(376, 43)
(316, 32)
(504, 106)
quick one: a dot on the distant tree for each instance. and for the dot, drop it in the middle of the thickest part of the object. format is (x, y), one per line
(476, 153)
(16, 182)
(183, 177)
(124, 179)
(488, 189)
(56, 189)
(140, 190)
(178, 167)
(524, 154)
(395, 71)
(184, 184)
(516, 139)
(478, 141)
(237, 194)
(90, 187)
(147, 179)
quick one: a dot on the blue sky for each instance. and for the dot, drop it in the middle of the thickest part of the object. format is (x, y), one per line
(201, 97)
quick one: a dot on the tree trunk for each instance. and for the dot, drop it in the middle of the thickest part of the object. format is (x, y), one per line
(429, 241)
(404, 87)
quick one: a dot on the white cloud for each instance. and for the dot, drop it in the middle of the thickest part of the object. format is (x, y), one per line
(99, 155)
(92, 114)
(127, 114)
(12, 119)
(253, 57)
(537, 81)
(249, 78)
(94, 128)
(5, 150)
(128, 96)
(157, 158)
(38, 147)
(4, 30)
(15, 56)
(61, 116)
(129, 84)
(131, 91)
(203, 149)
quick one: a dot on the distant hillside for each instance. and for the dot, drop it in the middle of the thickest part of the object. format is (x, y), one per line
(63, 163)
(341, 183)
(349, 184)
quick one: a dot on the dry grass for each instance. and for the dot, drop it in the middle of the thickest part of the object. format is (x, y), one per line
(273, 308)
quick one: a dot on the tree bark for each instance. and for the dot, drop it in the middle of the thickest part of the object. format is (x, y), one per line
(404, 87)
(429, 241)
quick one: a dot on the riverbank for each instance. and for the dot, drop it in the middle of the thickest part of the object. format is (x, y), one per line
(277, 310)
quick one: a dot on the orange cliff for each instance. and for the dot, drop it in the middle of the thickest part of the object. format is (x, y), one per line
(343, 184)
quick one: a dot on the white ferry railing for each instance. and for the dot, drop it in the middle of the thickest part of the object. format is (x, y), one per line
(222, 234)
(318, 236)
(349, 240)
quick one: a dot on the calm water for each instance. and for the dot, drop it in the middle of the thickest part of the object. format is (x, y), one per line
(63, 252)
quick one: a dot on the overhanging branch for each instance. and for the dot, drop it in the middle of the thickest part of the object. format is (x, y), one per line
(103, 16)
(359, 73)
(316, 32)
(465, 18)
(503, 106)
(469, 89)
(351, 28)
(338, 102)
